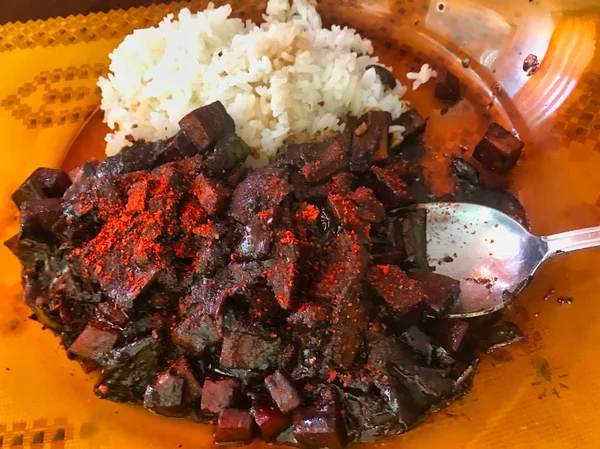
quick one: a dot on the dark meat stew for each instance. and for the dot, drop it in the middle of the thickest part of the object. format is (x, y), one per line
(293, 301)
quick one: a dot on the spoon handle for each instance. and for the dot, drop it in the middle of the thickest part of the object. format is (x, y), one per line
(573, 240)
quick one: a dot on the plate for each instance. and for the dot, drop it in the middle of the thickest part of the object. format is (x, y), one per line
(539, 393)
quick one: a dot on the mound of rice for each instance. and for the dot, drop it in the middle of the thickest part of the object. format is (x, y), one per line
(287, 77)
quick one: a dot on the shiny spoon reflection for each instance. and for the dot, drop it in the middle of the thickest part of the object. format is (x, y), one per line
(491, 254)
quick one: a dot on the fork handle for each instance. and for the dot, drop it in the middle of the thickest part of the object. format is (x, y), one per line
(566, 242)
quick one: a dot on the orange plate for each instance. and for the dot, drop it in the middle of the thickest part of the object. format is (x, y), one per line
(539, 393)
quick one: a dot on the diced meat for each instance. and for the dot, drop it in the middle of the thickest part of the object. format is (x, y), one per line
(498, 150)
(346, 213)
(370, 140)
(318, 427)
(447, 86)
(256, 241)
(229, 154)
(213, 195)
(284, 275)
(389, 187)
(192, 390)
(283, 393)
(401, 295)
(38, 217)
(242, 350)
(440, 292)
(341, 183)
(94, 341)
(219, 394)
(414, 124)
(319, 160)
(349, 323)
(386, 77)
(234, 426)
(260, 191)
(270, 421)
(367, 206)
(345, 267)
(450, 333)
(43, 183)
(165, 395)
(206, 125)
(196, 333)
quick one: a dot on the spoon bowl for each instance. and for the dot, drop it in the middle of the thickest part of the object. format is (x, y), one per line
(492, 255)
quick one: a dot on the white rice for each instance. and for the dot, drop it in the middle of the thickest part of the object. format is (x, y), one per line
(422, 76)
(286, 77)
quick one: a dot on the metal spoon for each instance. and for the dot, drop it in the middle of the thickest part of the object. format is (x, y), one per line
(491, 254)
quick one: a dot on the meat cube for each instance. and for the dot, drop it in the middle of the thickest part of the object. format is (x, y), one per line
(447, 86)
(195, 333)
(346, 213)
(140, 156)
(319, 160)
(389, 187)
(270, 421)
(213, 195)
(367, 206)
(344, 269)
(206, 125)
(262, 190)
(242, 350)
(349, 322)
(165, 395)
(219, 394)
(174, 149)
(192, 390)
(498, 150)
(415, 240)
(319, 427)
(38, 218)
(385, 76)
(256, 240)
(234, 427)
(283, 277)
(440, 292)
(414, 124)
(342, 183)
(450, 333)
(94, 341)
(401, 295)
(216, 246)
(370, 140)
(283, 393)
(465, 172)
(229, 154)
(41, 184)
